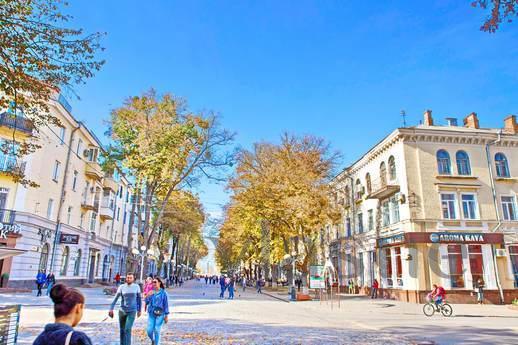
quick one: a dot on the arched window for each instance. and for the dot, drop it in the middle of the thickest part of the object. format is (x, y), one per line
(64, 261)
(77, 264)
(368, 183)
(383, 174)
(392, 168)
(502, 166)
(463, 166)
(443, 162)
(106, 265)
(358, 188)
(44, 257)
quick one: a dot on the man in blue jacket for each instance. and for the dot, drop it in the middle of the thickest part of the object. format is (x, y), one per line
(223, 286)
(131, 306)
(41, 278)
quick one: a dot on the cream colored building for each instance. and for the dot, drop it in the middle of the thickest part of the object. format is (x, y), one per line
(76, 222)
(432, 204)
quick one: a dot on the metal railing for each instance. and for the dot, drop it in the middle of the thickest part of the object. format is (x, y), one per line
(7, 216)
(17, 122)
(10, 164)
(9, 323)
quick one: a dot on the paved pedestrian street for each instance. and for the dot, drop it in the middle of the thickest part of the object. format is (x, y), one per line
(200, 317)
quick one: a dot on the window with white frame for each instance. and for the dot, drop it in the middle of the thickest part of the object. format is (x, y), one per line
(79, 151)
(50, 208)
(469, 206)
(360, 223)
(388, 267)
(370, 214)
(448, 201)
(55, 171)
(93, 221)
(62, 135)
(385, 209)
(394, 209)
(456, 265)
(509, 207)
(399, 265)
(74, 181)
(69, 214)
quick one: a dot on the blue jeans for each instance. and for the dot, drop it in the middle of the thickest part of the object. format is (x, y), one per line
(230, 293)
(154, 324)
(438, 301)
(222, 294)
(126, 321)
(49, 287)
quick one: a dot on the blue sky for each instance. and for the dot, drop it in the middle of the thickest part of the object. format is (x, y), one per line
(342, 70)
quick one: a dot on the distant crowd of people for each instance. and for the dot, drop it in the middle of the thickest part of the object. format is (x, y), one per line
(230, 282)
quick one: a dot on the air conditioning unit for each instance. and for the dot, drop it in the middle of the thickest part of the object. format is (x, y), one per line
(501, 253)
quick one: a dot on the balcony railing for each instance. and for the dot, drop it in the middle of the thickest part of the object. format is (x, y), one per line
(16, 122)
(7, 216)
(9, 164)
(382, 189)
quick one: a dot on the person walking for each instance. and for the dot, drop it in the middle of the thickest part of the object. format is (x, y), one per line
(117, 279)
(158, 310)
(68, 311)
(259, 286)
(480, 291)
(351, 287)
(222, 286)
(41, 278)
(375, 287)
(243, 281)
(298, 282)
(130, 308)
(231, 285)
(51, 281)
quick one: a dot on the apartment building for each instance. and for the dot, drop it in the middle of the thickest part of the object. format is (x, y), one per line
(432, 204)
(76, 222)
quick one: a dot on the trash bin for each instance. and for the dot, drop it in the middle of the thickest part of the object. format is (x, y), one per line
(9, 321)
(293, 293)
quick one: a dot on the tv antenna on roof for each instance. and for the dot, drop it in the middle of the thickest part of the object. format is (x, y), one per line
(403, 115)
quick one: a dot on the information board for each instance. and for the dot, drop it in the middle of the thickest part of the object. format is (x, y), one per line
(316, 277)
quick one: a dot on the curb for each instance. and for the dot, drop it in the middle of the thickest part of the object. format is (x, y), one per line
(276, 297)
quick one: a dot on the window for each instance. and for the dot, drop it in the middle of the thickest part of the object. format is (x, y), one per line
(62, 135)
(513, 256)
(385, 209)
(509, 207)
(358, 189)
(118, 213)
(383, 174)
(399, 266)
(455, 264)
(69, 214)
(502, 167)
(392, 168)
(50, 208)
(443, 162)
(8, 155)
(64, 261)
(81, 220)
(475, 263)
(348, 226)
(44, 257)
(360, 223)
(74, 181)
(80, 148)
(388, 267)
(448, 206)
(55, 172)
(93, 221)
(124, 217)
(463, 166)
(368, 183)
(77, 264)
(394, 209)
(371, 219)
(469, 206)
(361, 269)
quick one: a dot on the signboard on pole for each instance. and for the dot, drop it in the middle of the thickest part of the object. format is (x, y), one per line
(316, 277)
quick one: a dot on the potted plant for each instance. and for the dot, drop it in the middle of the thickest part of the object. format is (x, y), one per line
(4, 279)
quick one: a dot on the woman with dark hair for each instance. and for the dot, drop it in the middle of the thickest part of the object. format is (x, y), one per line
(68, 311)
(158, 310)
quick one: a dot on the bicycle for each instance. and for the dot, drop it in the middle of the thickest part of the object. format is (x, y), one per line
(430, 308)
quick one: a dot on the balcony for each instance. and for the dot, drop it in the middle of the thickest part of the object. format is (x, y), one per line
(18, 123)
(7, 216)
(106, 213)
(93, 170)
(87, 205)
(9, 165)
(382, 189)
(110, 183)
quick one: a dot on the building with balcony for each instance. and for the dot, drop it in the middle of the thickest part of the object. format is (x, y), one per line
(431, 204)
(64, 225)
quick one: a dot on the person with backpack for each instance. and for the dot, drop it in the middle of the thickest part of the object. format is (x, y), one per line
(51, 281)
(231, 285)
(68, 311)
(158, 310)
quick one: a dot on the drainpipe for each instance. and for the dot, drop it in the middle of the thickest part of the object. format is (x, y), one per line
(498, 216)
(62, 198)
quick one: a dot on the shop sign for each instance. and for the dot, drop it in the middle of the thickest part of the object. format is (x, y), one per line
(69, 239)
(454, 237)
(6, 229)
(316, 277)
(392, 240)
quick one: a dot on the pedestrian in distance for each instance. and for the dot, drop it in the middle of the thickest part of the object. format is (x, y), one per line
(480, 291)
(68, 311)
(206, 279)
(222, 286)
(41, 278)
(51, 281)
(130, 308)
(158, 310)
(117, 279)
(351, 287)
(375, 287)
(231, 285)
(243, 281)
(259, 286)
(298, 282)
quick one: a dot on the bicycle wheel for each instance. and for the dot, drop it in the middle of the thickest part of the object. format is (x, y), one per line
(429, 309)
(446, 310)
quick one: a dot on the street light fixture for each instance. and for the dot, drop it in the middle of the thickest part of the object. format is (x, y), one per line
(143, 252)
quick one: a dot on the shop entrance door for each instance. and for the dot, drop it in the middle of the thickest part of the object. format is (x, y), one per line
(91, 270)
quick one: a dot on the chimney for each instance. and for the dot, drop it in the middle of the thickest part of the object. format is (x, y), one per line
(471, 121)
(510, 125)
(428, 119)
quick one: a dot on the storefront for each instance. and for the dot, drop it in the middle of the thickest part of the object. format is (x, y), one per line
(410, 263)
(9, 234)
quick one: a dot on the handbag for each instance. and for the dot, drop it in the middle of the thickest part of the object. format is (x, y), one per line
(157, 311)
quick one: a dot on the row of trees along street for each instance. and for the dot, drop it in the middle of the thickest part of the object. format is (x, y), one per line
(280, 201)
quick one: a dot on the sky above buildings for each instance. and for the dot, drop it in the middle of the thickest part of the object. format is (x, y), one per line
(341, 70)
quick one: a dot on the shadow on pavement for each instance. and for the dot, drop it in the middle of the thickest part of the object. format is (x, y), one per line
(460, 335)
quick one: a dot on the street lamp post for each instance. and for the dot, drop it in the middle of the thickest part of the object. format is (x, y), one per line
(167, 259)
(142, 253)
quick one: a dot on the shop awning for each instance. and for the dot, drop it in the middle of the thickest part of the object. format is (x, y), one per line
(8, 252)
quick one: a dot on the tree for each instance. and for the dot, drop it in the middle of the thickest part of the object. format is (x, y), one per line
(165, 148)
(501, 10)
(39, 56)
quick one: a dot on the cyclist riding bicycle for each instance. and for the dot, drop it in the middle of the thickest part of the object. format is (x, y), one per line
(438, 295)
